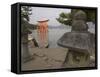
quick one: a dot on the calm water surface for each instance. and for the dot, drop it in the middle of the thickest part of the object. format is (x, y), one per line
(55, 33)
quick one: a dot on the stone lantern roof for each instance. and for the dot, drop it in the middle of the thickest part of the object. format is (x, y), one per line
(77, 41)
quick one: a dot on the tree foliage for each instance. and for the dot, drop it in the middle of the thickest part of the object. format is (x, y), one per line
(25, 12)
(25, 25)
(64, 18)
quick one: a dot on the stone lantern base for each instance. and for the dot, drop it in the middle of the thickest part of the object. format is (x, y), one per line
(25, 54)
(77, 59)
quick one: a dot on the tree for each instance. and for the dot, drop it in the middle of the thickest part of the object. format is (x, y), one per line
(90, 15)
(64, 18)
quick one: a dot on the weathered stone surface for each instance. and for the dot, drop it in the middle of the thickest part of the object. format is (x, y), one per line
(79, 22)
(80, 15)
(25, 55)
(77, 59)
(77, 41)
(79, 25)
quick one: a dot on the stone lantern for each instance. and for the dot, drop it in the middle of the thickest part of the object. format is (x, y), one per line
(26, 56)
(79, 41)
(42, 30)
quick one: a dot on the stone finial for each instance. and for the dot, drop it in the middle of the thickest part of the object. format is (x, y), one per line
(79, 22)
(80, 15)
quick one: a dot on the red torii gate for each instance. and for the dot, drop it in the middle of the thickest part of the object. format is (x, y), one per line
(42, 30)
